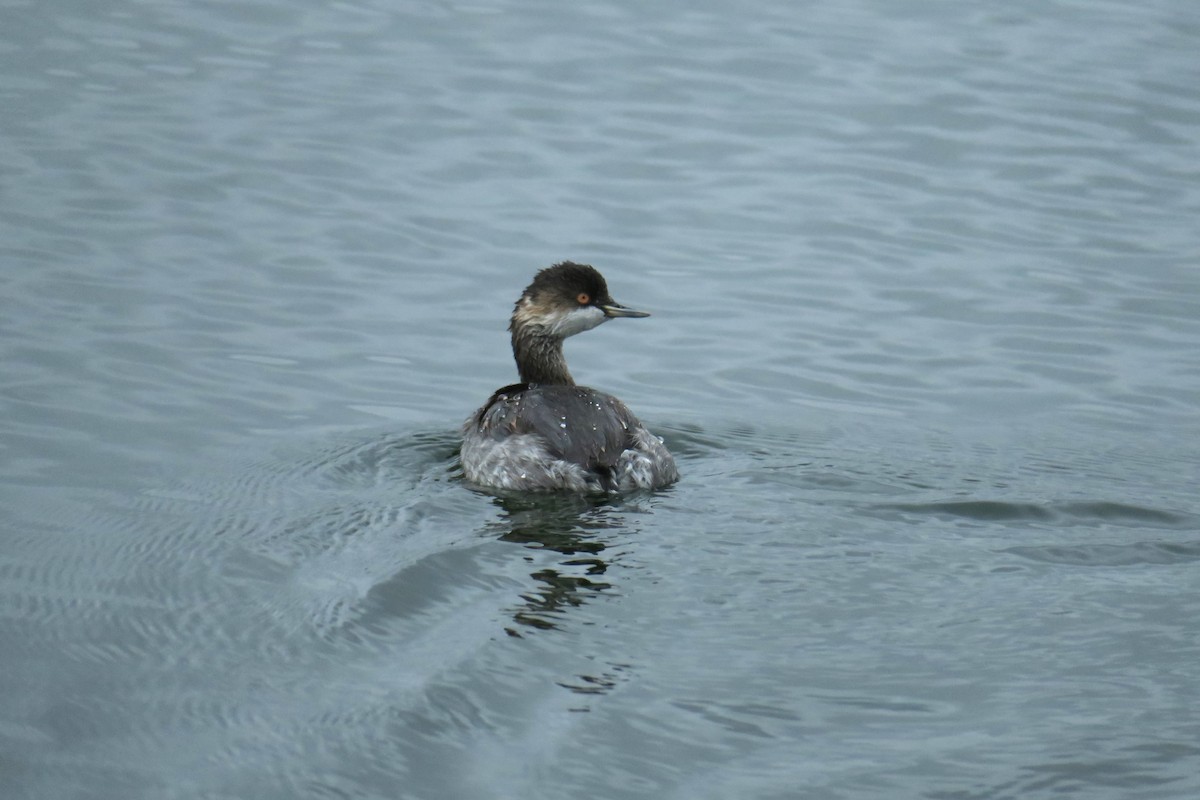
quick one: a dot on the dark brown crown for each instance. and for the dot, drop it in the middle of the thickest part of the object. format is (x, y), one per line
(566, 281)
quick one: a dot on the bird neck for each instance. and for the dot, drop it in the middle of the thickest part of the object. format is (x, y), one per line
(540, 358)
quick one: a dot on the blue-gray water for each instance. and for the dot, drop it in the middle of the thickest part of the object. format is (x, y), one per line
(926, 285)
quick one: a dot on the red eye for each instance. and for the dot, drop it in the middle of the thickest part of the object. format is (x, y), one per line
(583, 298)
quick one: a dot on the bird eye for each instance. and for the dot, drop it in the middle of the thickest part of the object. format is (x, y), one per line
(583, 298)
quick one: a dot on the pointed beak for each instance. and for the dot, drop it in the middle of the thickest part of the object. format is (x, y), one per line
(612, 309)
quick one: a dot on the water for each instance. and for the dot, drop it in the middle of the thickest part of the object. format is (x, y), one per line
(925, 335)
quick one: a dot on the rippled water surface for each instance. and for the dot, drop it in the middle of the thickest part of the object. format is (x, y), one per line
(925, 341)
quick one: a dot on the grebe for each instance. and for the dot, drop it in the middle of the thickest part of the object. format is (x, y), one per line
(546, 432)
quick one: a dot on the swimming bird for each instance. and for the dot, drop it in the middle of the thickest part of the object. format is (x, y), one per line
(547, 432)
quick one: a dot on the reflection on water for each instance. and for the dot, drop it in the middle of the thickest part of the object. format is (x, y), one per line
(571, 525)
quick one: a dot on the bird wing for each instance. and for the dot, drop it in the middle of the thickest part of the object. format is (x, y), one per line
(577, 424)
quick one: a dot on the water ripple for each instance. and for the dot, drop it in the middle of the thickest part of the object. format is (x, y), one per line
(1096, 513)
(1112, 555)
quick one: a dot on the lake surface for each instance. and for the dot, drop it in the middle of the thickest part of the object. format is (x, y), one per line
(926, 341)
